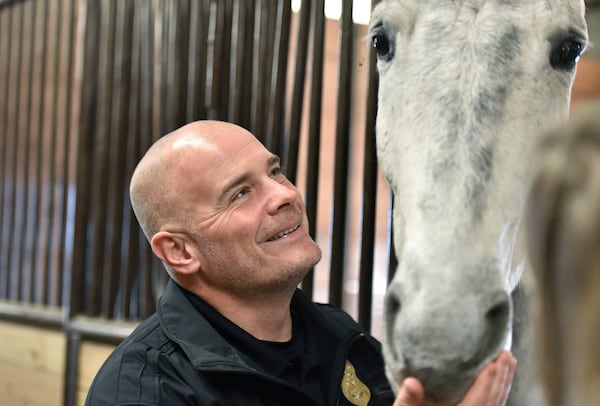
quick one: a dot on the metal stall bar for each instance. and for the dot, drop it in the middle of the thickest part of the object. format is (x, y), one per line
(199, 23)
(342, 140)
(118, 133)
(38, 268)
(6, 39)
(242, 62)
(91, 11)
(314, 129)
(16, 199)
(141, 18)
(51, 185)
(369, 198)
(28, 144)
(64, 259)
(263, 71)
(149, 277)
(297, 102)
(276, 133)
(101, 160)
(176, 63)
(24, 148)
(220, 64)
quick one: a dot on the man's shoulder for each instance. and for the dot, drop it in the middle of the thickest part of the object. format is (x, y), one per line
(131, 361)
(147, 334)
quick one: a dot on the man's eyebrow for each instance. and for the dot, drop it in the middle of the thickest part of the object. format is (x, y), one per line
(272, 160)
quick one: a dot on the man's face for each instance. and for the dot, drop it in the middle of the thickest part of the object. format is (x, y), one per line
(248, 221)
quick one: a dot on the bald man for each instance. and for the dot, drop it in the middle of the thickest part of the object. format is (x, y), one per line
(231, 327)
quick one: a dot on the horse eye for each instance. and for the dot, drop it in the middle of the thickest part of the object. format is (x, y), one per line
(566, 54)
(382, 46)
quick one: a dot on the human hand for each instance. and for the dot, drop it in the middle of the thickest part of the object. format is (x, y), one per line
(490, 388)
(411, 393)
(492, 385)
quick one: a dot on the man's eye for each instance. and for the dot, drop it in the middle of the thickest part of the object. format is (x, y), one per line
(241, 193)
(276, 171)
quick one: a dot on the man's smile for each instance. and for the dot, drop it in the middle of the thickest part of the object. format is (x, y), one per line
(284, 233)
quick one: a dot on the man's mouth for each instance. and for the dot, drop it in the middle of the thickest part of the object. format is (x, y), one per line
(284, 233)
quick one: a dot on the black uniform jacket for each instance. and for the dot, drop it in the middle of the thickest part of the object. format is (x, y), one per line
(176, 357)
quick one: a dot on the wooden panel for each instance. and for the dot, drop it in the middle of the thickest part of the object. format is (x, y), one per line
(80, 397)
(31, 358)
(91, 357)
(31, 347)
(21, 385)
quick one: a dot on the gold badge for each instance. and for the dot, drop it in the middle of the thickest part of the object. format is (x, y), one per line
(353, 389)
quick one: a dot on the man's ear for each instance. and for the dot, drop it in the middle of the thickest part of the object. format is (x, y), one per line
(177, 251)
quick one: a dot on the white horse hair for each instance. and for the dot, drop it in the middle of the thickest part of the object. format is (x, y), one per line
(465, 88)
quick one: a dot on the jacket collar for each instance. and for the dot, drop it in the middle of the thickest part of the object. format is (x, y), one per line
(182, 323)
(206, 348)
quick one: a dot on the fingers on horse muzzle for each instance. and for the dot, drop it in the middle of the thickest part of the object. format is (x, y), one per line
(444, 342)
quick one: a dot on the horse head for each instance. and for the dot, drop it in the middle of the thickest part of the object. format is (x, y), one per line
(465, 87)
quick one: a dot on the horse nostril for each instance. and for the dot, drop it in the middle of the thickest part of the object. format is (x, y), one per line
(393, 304)
(499, 312)
(497, 318)
(392, 307)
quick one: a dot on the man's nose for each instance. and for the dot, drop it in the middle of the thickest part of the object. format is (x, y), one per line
(280, 195)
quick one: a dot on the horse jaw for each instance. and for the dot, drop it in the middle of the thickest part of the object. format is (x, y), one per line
(461, 102)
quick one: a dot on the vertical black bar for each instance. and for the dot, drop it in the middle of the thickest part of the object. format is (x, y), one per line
(145, 303)
(314, 129)
(38, 268)
(178, 60)
(138, 263)
(241, 15)
(107, 139)
(259, 73)
(291, 162)
(64, 280)
(124, 278)
(25, 233)
(264, 65)
(392, 259)
(53, 179)
(226, 32)
(147, 72)
(118, 155)
(163, 14)
(276, 131)
(71, 368)
(101, 161)
(17, 217)
(340, 177)
(243, 92)
(5, 216)
(221, 60)
(85, 152)
(369, 198)
(249, 56)
(199, 21)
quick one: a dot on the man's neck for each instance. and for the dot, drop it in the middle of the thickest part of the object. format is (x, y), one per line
(266, 318)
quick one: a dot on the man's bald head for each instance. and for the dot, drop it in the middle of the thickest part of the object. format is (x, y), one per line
(160, 178)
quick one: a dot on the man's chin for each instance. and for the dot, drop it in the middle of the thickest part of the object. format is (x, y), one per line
(307, 257)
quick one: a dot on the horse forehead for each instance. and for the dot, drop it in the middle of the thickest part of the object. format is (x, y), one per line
(480, 3)
(430, 79)
(407, 10)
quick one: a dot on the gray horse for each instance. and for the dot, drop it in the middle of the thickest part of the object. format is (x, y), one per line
(465, 88)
